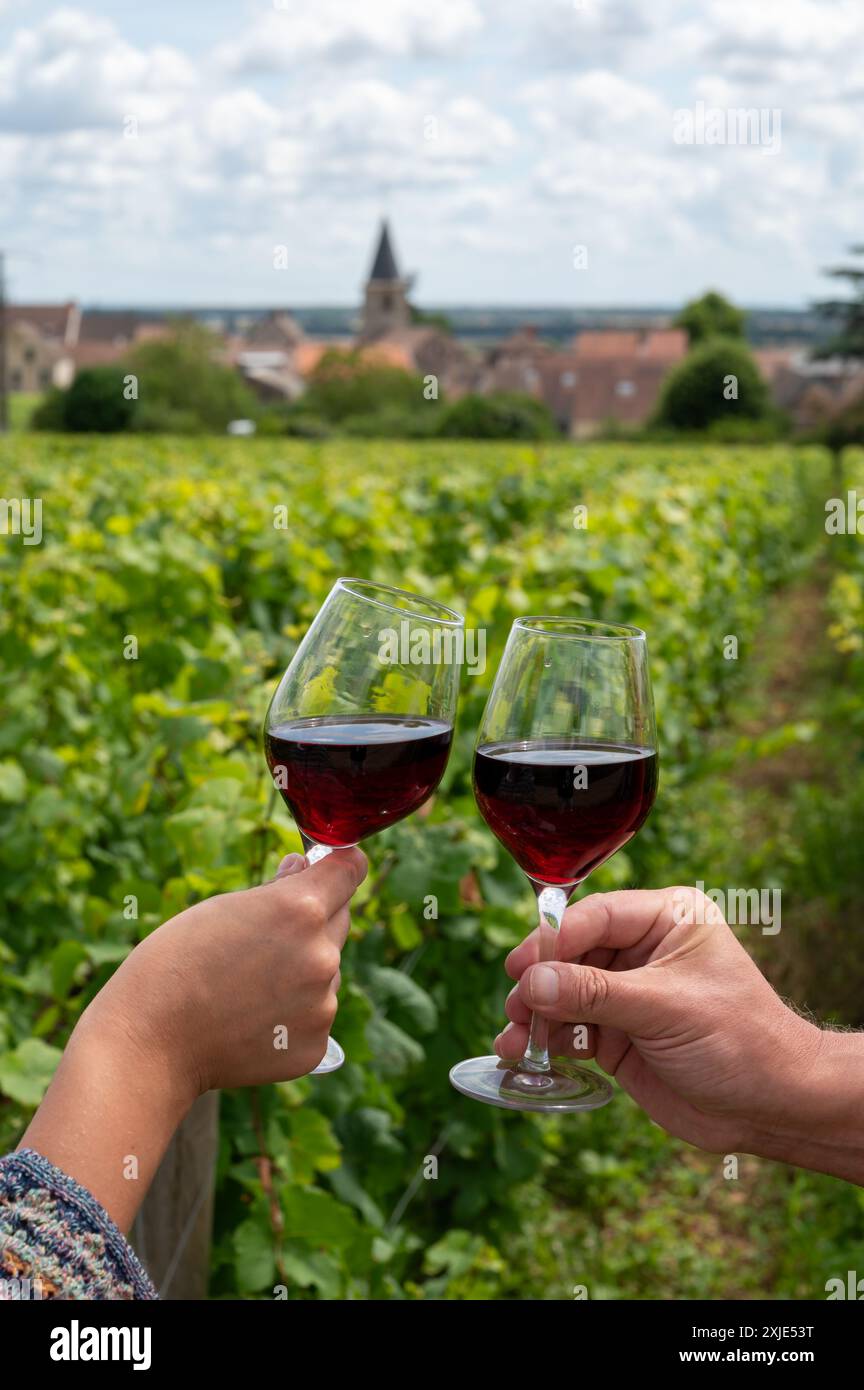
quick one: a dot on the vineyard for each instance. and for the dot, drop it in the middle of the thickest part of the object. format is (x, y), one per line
(139, 646)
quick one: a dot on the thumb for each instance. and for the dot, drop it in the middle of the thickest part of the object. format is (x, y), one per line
(291, 864)
(626, 999)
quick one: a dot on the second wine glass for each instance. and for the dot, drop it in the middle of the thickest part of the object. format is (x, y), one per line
(565, 773)
(359, 730)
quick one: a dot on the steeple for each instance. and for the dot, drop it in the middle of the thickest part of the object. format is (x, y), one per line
(384, 264)
(386, 309)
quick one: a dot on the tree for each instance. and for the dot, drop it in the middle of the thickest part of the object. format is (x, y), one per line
(502, 415)
(712, 316)
(183, 388)
(96, 403)
(717, 381)
(346, 384)
(849, 340)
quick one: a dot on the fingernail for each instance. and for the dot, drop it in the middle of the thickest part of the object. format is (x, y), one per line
(290, 864)
(504, 1031)
(544, 985)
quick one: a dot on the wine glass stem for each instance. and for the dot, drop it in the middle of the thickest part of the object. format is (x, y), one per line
(334, 1056)
(314, 851)
(552, 903)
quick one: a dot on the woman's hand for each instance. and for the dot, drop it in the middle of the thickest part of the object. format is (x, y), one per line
(679, 1014)
(240, 990)
(236, 991)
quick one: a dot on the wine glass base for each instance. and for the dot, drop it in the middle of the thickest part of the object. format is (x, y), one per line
(567, 1087)
(332, 1060)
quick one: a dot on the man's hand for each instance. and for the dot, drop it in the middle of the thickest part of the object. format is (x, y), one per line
(681, 1016)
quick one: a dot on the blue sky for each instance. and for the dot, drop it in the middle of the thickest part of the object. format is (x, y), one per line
(155, 153)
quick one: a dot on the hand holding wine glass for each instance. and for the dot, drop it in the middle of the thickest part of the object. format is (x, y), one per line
(674, 1008)
(358, 733)
(565, 773)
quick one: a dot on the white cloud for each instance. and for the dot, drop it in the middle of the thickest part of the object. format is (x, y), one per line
(596, 103)
(499, 133)
(212, 163)
(612, 175)
(773, 31)
(799, 56)
(369, 133)
(593, 33)
(297, 31)
(73, 71)
(240, 120)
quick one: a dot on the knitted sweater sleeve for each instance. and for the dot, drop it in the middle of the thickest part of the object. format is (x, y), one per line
(56, 1241)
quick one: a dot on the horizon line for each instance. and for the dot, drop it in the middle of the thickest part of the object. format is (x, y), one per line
(293, 307)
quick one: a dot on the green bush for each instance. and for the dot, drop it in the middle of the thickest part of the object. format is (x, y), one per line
(693, 394)
(748, 431)
(96, 403)
(502, 415)
(155, 417)
(300, 425)
(347, 384)
(181, 389)
(50, 413)
(181, 385)
(394, 422)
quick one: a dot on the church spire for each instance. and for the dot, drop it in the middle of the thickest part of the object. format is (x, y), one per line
(386, 309)
(384, 264)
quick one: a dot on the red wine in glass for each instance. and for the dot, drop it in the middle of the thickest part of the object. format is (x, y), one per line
(345, 778)
(563, 806)
(359, 730)
(565, 773)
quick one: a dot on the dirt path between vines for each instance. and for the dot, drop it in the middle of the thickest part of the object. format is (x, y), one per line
(791, 668)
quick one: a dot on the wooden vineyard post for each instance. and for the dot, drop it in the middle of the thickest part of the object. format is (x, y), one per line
(173, 1229)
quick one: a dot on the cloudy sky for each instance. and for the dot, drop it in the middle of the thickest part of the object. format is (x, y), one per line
(159, 152)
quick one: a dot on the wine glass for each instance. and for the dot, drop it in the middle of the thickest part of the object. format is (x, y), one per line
(565, 773)
(359, 730)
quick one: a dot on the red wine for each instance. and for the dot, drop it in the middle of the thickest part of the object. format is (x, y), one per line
(344, 778)
(563, 806)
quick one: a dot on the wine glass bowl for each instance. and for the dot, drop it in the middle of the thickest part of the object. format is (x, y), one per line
(565, 773)
(359, 729)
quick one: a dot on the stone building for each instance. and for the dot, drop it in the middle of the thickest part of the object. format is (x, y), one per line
(603, 378)
(40, 345)
(385, 309)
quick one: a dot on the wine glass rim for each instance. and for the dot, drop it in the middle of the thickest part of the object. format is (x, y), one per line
(352, 585)
(590, 630)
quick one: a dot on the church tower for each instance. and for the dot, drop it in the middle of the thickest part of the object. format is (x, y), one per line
(386, 308)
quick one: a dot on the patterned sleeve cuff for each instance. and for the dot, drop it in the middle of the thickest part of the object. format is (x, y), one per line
(52, 1230)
